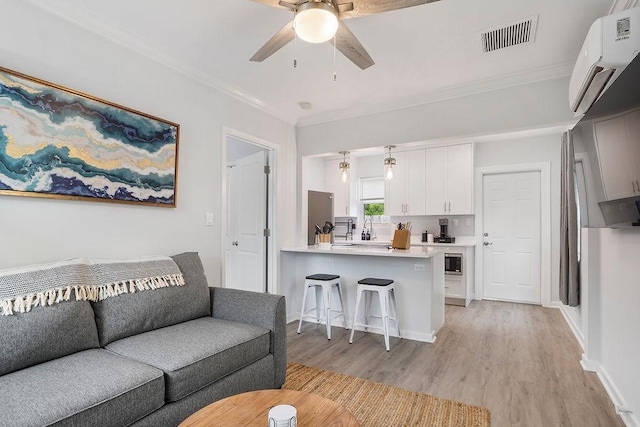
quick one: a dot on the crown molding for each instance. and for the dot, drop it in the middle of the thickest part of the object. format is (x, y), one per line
(83, 18)
(437, 95)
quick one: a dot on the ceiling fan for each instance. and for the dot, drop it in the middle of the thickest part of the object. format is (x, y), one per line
(317, 21)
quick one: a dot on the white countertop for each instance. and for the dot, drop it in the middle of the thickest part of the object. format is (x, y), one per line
(377, 249)
(446, 245)
(462, 242)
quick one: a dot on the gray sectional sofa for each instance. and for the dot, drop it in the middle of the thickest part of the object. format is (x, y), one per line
(143, 359)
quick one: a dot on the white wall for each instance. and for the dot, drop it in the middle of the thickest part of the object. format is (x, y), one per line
(531, 106)
(609, 296)
(41, 230)
(620, 316)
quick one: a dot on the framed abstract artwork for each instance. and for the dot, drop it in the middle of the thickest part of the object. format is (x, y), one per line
(59, 143)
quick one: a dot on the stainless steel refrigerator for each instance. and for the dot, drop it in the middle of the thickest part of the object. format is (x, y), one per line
(320, 208)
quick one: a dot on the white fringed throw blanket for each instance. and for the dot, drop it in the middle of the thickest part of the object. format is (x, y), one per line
(21, 289)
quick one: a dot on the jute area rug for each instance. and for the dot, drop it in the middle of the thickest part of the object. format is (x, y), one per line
(376, 404)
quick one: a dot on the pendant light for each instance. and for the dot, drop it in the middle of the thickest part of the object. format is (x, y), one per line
(344, 166)
(389, 163)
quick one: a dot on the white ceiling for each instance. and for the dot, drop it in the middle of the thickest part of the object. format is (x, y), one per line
(422, 54)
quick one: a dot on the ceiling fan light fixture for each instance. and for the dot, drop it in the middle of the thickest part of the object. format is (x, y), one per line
(316, 22)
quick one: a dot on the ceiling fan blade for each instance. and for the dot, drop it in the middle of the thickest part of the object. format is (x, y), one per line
(290, 6)
(275, 43)
(351, 47)
(287, 5)
(369, 7)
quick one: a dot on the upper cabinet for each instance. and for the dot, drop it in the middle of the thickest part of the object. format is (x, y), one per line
(619, 155)
(405, 192)
(341, 190)
(449, 180)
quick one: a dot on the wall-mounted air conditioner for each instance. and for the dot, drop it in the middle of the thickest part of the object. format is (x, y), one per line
(611, 44)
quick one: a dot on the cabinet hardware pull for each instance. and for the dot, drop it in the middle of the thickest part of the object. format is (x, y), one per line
(445, 207)
(449, 207)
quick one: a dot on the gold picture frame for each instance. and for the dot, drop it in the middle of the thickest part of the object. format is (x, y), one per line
(56, 142)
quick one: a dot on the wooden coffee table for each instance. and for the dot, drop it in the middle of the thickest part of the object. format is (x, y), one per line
(252, 409)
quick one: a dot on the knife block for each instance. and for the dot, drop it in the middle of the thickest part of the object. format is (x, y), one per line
(325, 237)
(401, 239)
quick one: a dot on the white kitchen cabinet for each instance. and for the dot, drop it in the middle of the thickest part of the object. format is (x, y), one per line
(619, 155)
(405, 192)
(458, 289)
(454, 287)
(341, 190)
(449, 180)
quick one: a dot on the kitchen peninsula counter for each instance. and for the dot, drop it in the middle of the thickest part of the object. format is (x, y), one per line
(418, 273)
(369, 250)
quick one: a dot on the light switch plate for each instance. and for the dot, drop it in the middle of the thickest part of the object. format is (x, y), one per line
(209, 221)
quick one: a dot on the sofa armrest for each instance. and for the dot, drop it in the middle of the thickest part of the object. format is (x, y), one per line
(260, 309)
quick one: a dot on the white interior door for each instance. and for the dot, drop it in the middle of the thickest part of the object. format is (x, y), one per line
(511, 229)
(245, 241)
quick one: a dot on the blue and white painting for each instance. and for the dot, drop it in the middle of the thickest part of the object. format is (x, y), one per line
(58, 143)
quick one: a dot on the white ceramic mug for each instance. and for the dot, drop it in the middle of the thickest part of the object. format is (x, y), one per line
(283, 416)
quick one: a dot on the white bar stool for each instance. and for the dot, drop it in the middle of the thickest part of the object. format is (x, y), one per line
(323, 284)
(385, 289)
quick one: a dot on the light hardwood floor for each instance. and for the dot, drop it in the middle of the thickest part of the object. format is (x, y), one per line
(519, 361)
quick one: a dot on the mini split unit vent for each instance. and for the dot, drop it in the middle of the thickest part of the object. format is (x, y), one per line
(519, 32)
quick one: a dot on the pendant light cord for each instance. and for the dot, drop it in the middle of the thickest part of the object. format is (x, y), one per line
(335, 75)
(295, 43)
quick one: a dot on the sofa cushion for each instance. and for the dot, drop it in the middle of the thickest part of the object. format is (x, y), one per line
(197, 353)
(46, 333)
(90, 388)
(131, 314)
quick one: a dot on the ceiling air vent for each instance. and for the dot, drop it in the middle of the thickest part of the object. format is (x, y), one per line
(519, 32)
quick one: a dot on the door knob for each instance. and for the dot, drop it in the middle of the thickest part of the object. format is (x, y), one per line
(235, 243)
(487, 243)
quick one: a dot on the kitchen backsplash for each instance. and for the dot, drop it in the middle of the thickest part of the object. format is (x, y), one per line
(459, 225)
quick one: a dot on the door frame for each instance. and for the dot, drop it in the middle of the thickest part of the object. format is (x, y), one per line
(272, 254)
(545, 223)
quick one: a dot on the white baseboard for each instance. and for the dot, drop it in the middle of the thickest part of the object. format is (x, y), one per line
(572, 325)
(589, 365)
(629, 418)
(339, 323)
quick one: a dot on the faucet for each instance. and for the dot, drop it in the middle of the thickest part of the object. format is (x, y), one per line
(349, 234)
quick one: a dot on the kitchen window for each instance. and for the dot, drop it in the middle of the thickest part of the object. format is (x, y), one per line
(372, 200)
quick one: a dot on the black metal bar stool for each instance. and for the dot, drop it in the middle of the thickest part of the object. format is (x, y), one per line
(385, 289)
(323, 284)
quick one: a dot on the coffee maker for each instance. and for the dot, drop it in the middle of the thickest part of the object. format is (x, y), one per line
(444, 232)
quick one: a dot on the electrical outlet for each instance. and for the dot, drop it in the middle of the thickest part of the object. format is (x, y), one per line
(455, 222)
(418, 267)
(329, 262)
